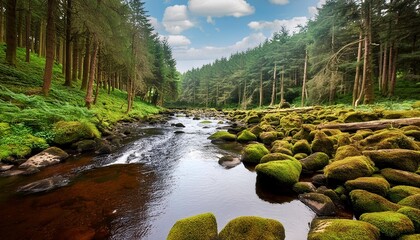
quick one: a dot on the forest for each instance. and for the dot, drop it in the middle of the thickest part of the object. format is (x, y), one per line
(352, 52)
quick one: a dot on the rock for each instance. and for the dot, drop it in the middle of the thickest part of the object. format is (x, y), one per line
(253, 120)
(303, 187)
(12, 173)
(342, 229)
(300, 156)
(246, 136)
(276, 157)
(371, 184)
(253, 153)
(360, 117)
(229, 161)
(44, 185)
(4, 167)
(50, 156)
(322, 143)
(346, 151)
(411, 201)
(401, 177)
(319, 203)
(364, 201)
(314, 162)
(281, 144)
(402, 159)
(329, 193)
(413, 214)
(103, 147)
(202, 226)
(268, 137)
(349, 168)
(179, 125)
(319, 180)
(251, 228)
(179, 132)
(70, 132)
(280, 173)
(222, 135)
(85, 145)
(282, 150)
(400, 192)
(410, 237)
(302, 146)
(390, 224)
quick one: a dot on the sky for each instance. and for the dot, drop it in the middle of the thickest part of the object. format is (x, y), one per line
(201, 31)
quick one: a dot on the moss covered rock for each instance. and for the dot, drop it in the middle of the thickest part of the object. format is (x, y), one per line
(280, 173)
(300, 156)
(413, 214)
(400, 192)
(50, 156)
(372, 184)
(319, 203)
(380, 136)
(290, 121)
(400, 177)
(202, 226)
(322, 143)
(397, 142)
(364, 201)
(251, 228)
(246, 136)
(302, 146)
(346, 151)
(282, 143)
(410, 237)
(390, 224)
(268, 137)
(411, 201)
(314, 162)
(402, 159)
(305, 132)
(254, 152)
(349, 168)
(223, 135)
(71, 132)
(253, 119)
(342, 229)
(360, 117)
(276, 157)
(303, 187)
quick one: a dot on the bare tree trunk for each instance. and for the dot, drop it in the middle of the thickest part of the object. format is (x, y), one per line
(98, 76)
(89, 93)
(75, 59)
(19, 29)
(261, 88)
(244, 96)
(50, 42)
(273, 90)
(41, 39)
(68, 76)
(28, 32)
(282, 86)
(86, 62)
(11, 41)
(367, 68)
(1, 22)
(384, 77)
(393, 77)
(304, 78)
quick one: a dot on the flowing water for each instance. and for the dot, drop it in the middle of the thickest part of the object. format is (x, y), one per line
(140, 191)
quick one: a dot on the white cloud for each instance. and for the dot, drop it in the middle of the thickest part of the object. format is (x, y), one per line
(313, 10)
(177, 41)
(176, 19)
(220, 8)
(155, 24)
(279, 2)
(276, 25)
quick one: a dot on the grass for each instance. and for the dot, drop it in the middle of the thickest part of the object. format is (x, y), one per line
(30, 115)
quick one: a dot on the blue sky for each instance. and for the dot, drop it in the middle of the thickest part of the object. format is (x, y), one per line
(201, 31)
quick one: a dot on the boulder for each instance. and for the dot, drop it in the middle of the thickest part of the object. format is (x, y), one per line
(229, 161)
(402, 159)
(254, 152)
(276, 157)
(314, 162)
(349, 168)
(319, 179)
(401, 177)
(390, 224)
(322, 143)
(5, 167)
(302, 146)
(304, 187)
(413, 214)
(85, 145)
(400, 192)
(280, 173)
(268, 137)
(364, 201)
(44, 185)
(410, 237)
(179, 125)
(342, 229)
(371, 184)
(281, 144)
(300, 156)
(223, 135)
(246, 136)
(71, 132)
(202, 226)
(251, 228)
(50, 156)
(411, 201)
(319, 203)
(346, 151)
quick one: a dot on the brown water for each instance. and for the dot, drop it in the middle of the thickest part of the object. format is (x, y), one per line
(140, 191)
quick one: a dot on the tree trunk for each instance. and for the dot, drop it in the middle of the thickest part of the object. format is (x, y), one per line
(75, 59)
(86, 63)
(304, 78)
(373, 125)
(244, 96)
(28, 32)
(50, 42)
(1, 21)
(367, 67)
(68, 76)
(98, 77)
(19, 29)
(89, 93)
(11, 41)
(384, 77)
(393, 77)
(261, 88)
(41, 39)
(273, 90)
(282, 86)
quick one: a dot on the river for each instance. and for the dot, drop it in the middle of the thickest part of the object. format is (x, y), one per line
(142, 189)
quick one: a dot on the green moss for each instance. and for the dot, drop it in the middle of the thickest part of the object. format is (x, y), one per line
(395, 114)
(205, 122)
(415, 134)
(276, 157)
(292, 120)
(199, 227)
(349, 168)
(281, 144)
(70, 132)
(413, 214)
(390, 224)
(395, 158)
(346, 151)
(256, 130)
(315, 162)
(410, 237)
(223, 135)
(300, 156)
(411, 201)
(251, 228)
(254, 152)
(342, 229)
(372, 184)
(280, 173)
(304, 132)
(246, 136)
(268, 137)
(322, 143)
(5, 129)
(302, 146)
(402, 141)
(364, 201)
(303, 187)
(381, 135)
(400, 192)
(400, 177)
(360, 117)
(252, 119)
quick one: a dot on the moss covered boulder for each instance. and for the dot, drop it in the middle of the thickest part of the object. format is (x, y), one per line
(346, 151)
(202, 226)
(246, 136)
(50, 156)
(276, 157)
(349, 168)
(400, 177)
(411, 201)
(319, 203)
(223, 135)
(302, 146)
(254, 152)
(280, 173)
(390, 224)
(342, 229)
(314, 162)
(403, 159)
(304, 187)
(322, 143)
(400, 192)
(364, 201)
(410, 237)
(300, 156)
(360, 117)
(268, 137)
(251, 228)
(376, 185)
(414, 215)
(71, 132)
